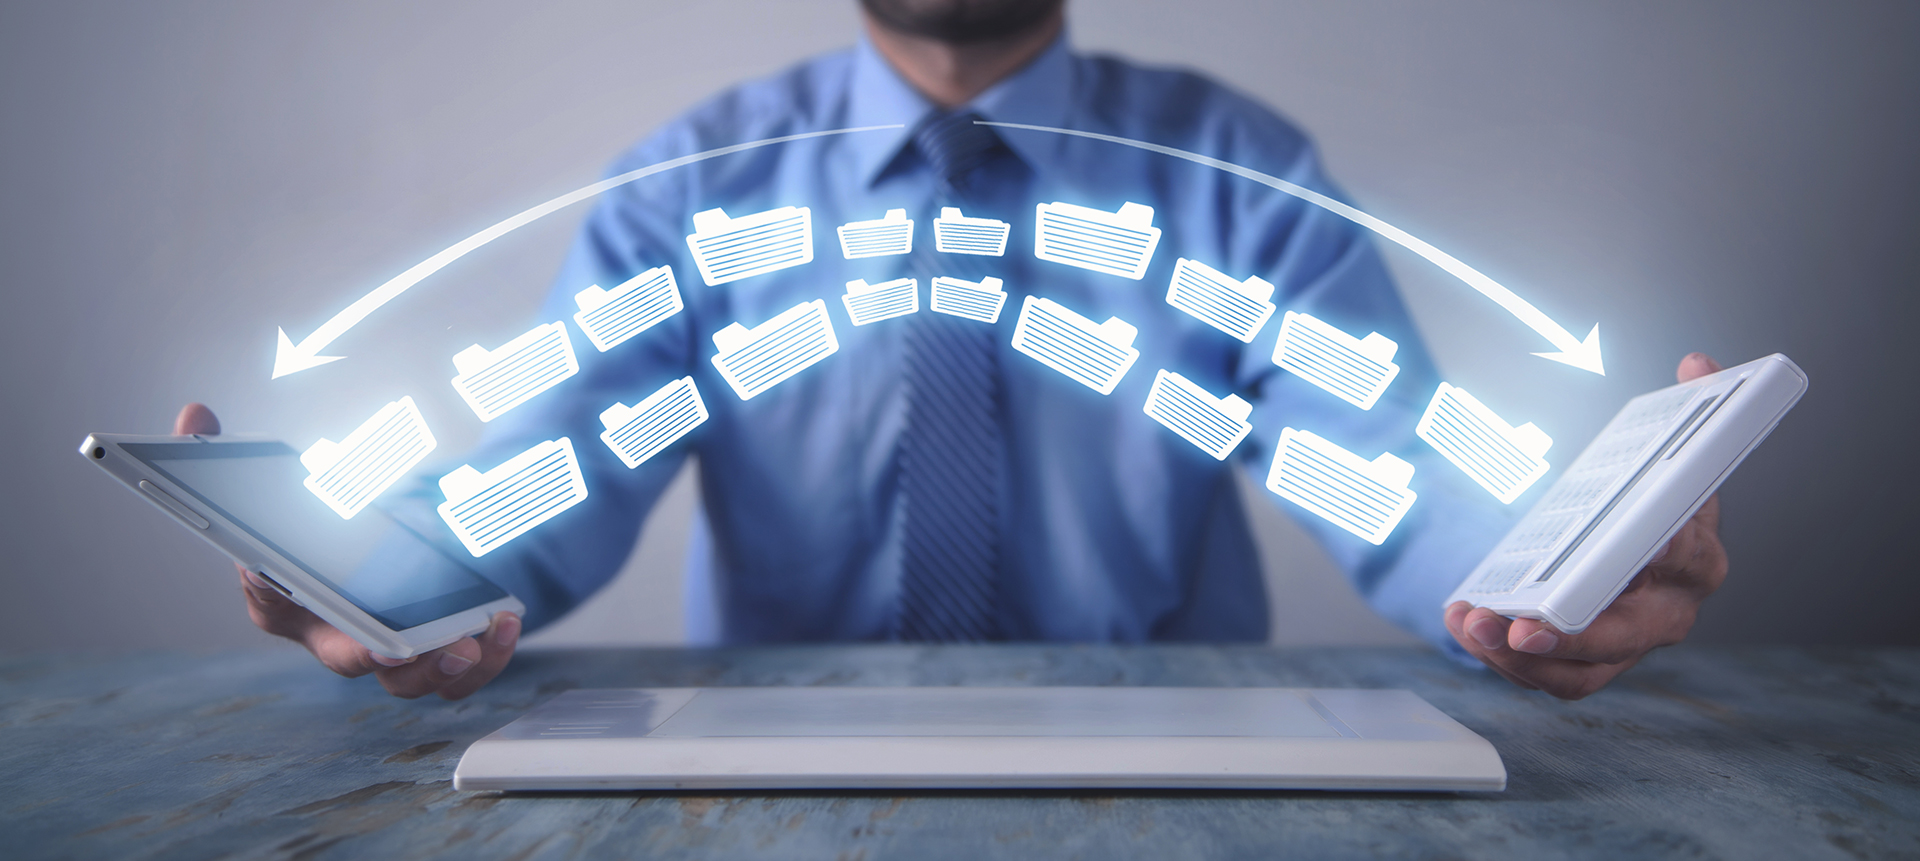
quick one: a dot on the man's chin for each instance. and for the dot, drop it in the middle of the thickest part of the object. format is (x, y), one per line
(962, 21)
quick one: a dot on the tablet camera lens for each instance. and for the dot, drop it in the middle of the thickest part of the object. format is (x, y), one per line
(99, 452)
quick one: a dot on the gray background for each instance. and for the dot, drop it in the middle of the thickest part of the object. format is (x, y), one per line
(179, 178)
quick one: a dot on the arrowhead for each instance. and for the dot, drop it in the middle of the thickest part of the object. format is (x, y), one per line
(290, 358)
(1586, 356)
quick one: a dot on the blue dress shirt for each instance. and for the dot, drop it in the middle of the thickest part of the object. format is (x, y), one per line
(1114, 528)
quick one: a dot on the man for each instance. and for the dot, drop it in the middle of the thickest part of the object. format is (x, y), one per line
(929, 482)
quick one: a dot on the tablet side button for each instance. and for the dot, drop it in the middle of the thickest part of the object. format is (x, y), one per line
(173, 505)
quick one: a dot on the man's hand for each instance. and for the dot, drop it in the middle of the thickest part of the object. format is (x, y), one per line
(452, 671)
(1657, 609)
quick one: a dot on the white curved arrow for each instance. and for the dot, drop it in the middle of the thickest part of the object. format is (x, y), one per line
(1584, 355)
(291, 358)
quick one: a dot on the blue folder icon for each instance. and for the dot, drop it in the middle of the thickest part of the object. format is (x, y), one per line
(881, 237)
(1355, 370)
(1504, 459)
(1366, 498)
(488, 509)
(757, 359)
(611, 317)
(975, 300)
(495, 381)
(1238, 308)
(1095, 354)
(348, 474)
(1215, 425)
(1117, 243)
(729, 249)
(956, 233)
(638, 432)
(871, 303)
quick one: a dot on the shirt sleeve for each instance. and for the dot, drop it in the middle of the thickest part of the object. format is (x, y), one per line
(1327, 266)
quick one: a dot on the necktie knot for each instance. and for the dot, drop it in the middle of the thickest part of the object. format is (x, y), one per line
(955, 146)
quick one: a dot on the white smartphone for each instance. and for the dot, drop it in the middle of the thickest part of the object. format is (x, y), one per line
(1636, 484)
(376, 578)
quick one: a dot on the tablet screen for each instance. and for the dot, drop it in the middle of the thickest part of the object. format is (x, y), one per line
(384, 567)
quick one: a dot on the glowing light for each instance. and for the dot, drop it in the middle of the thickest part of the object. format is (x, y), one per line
(1215, 425)
(493, 382)
(1355, 370)
(348, 474)
(954, 233)
(609, 318)
(975, 300)
(1582, 354)
(1238, 308)
(1504, 459)
(1116, 243)
(489, 509)
(638, 432)
(881, 237)
(292, 358)
(871, 303)
(1096, 355)
(757, 359)
(1366, 498)
(729, 249)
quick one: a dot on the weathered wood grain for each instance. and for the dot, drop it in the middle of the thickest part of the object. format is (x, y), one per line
(1750, 753)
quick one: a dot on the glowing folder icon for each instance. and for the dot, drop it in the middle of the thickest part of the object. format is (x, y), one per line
(1238, 308)
(882, 237)
(755, 360)
(980, 300)
(954, 233)
(609, 318)
(1504, 459)
(1365, 498)
(638, 432)
(347, 475)
(492, 508)
(493, 382)
(1355, 370)
(871, 303)
(1096, 355)
(729, 249)
(1216, 425)
(1117, 243)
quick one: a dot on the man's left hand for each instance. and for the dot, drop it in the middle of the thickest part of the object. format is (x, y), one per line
(1657, 609)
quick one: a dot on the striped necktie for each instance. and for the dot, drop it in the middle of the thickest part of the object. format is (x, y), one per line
(952, 448)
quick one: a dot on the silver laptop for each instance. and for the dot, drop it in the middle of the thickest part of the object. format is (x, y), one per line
(963, 737)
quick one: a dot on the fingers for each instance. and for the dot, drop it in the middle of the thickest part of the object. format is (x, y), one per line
(271, 611)
(496, 649)
(1491, 631)
(1486, 635)
(431, 672)
(196, 418)
(1694, 559)
(276, 614)
(1634, 625)
(343, 654)
(453, 671)
(1696, 365)
(457, 670)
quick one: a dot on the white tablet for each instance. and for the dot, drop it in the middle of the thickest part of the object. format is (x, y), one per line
(1636, 484)
(379, 580)
(960, 737)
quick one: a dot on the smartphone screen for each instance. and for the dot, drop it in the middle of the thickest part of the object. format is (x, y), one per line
(385, 568)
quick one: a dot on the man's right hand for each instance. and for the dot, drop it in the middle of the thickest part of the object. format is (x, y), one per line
(452, 671)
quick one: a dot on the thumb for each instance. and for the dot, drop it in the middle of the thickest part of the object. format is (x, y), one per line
(196, 418)
(1695, 365)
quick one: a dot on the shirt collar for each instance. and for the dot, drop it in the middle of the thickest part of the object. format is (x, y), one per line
(1037, 94)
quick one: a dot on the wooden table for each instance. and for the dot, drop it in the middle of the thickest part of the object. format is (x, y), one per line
(1748, 753)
